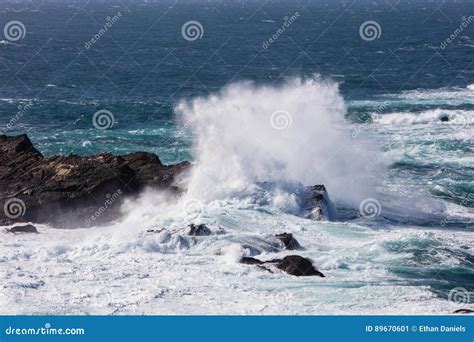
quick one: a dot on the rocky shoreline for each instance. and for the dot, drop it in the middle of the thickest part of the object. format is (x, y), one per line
(68, 191)
(80, 191)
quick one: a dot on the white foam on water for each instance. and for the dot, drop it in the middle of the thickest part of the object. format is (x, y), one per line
(456, 117)
(243, 186)
(86, 271)
(288, 134)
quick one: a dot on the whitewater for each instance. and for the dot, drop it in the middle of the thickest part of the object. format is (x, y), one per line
(255, 147)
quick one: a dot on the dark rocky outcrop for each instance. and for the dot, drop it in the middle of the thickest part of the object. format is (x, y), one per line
(317, 205)
(464, 311)
(444, 118)
(296, 265)
(27, 228)
(71, 191)
(198, 230)
(251, 261)
(292, 264)
(289, 241)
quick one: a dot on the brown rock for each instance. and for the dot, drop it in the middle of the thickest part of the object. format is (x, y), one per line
(71, 191)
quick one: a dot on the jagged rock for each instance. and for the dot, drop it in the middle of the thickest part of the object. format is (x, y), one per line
(73, 191)
(199, 230)
(292, 264)
(28, 228)
(150, 171)
(317, 205)
(296, 265)
(289, 241)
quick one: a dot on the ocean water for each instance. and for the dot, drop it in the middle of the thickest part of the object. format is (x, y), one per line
(267, 98)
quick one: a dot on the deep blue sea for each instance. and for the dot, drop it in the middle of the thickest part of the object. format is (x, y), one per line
(389, 71)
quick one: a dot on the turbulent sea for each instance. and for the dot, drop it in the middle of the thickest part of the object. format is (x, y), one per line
(268, 97)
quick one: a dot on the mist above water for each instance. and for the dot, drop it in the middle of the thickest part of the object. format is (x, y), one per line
(288, 135)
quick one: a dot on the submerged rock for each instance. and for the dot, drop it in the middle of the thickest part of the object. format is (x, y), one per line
(464, 311)
(444, 118)
(251, 261)
(28, 228)
(292, 264)
(289, 241)
(317, 205)
(296, 265)
(199, 230)
(73, 191)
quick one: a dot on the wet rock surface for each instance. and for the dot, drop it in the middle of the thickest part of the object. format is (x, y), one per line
(74, 191)
(289, 241)
(28, 228)
(292, 264)
(198, 230)
(317, 205)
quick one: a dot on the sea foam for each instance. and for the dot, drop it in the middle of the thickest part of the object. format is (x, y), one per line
(289, 135)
